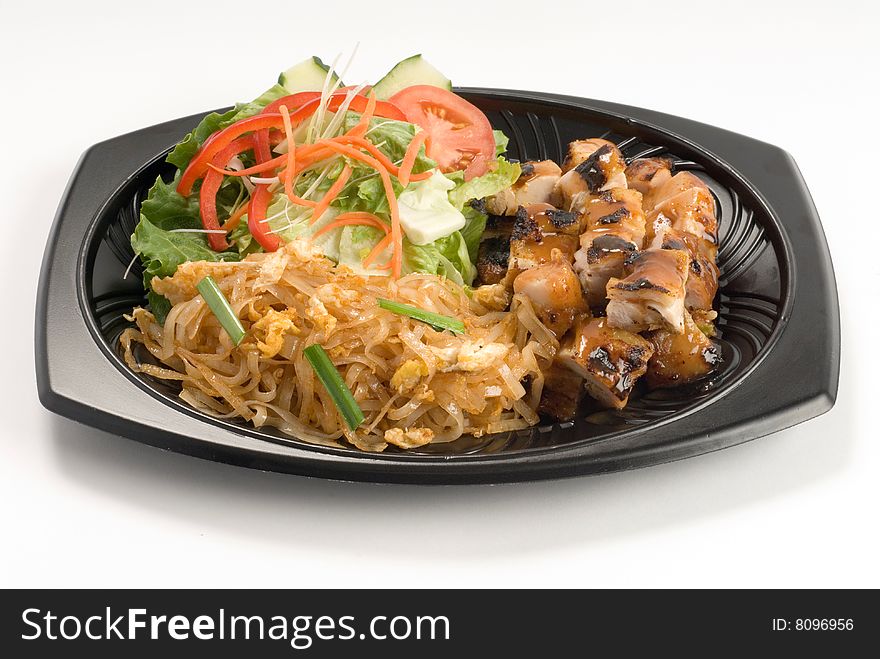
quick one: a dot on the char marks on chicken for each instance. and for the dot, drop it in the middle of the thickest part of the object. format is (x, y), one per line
(530, 246)
(609, 359)
(596, 165)
(493, 259)
(614, 227)
(606, 251)
(555, 293)
(651, 294)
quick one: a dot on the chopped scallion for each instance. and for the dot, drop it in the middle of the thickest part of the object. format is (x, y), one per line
(218, 304)
(435, 320)
(334, 384)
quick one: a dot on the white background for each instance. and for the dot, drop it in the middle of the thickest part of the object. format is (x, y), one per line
(84, 508)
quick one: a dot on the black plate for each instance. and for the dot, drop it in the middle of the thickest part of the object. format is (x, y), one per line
(778, 314)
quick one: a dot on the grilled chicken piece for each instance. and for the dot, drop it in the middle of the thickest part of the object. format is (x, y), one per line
(552, 220)
(535, 185)
(691, 211)
(493, 259)
(562, 393)
(675, 185)
(498, 226)
(580, 150)
(651, 295)
(645, 174)
(615, 227)
(529, 253)
(530, 247)
(617, 211)
(601, 170)
(702, 281)
(609, 359)
(680, 358)
(555, 293)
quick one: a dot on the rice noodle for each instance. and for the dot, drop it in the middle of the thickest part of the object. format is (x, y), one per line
(406, 376)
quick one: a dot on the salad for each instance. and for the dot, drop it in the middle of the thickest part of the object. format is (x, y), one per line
(379, 178)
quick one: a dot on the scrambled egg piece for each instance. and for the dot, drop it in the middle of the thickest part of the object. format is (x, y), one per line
(324, 321)
(409, 438)
(495, 297)
(269, 330)
(182, 286)
(407, 376)
(336, 295)
(272, 269)
(423, 394)
(473, 356)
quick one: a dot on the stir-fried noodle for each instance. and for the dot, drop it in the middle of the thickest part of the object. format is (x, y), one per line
(414, 384)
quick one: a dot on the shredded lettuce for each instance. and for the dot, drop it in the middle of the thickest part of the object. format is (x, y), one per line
(425, 212)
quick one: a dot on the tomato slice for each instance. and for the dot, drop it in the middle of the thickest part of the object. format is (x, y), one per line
(459, 134)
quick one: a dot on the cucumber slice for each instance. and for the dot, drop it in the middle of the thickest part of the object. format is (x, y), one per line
(307, 76)
(413, 70)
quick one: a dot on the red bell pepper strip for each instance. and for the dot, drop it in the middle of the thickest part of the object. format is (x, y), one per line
(219, 140)
(260, 230)
(210, 188)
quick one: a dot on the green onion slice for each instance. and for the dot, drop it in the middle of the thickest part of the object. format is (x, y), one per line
(435, 320)
(218, 303)
(334, 384)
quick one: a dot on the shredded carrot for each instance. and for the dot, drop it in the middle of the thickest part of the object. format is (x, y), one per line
(235, 218)
(409, 159)
(363, 215)
(396, 235)
(373, 150)
(259, 168)
(331, 194)
(378, 249)
(318, 151)
(363, 125)
(353, 219)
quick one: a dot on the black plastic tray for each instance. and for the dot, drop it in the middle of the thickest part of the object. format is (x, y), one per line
(778, 313)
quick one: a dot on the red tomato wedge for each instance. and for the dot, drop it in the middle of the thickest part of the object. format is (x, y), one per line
(459, 134)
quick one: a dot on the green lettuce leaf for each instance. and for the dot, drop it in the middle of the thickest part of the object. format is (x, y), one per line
(456, 263)
(167, 209)
(421, 258)
(501, 141)
(159, 305)
(392, 138)
(160, 248)
(492, 182)
(355, 243)
(472, 231)
(189, 145)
